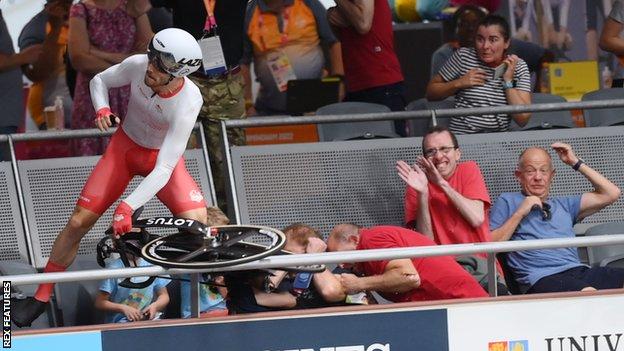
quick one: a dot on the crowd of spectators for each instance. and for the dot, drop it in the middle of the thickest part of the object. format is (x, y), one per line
(65, 44)
(446, 200)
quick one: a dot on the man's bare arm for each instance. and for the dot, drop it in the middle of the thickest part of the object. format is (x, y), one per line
(399, 276)
(358, 12)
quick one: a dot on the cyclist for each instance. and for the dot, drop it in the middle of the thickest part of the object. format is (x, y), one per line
(162, 111)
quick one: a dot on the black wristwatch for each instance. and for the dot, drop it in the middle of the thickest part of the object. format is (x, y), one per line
(578, 164)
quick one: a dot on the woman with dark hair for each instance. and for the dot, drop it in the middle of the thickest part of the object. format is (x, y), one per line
(484, 75)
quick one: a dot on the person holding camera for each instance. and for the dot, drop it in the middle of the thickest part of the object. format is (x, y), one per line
(533, 214)
(484, 75)
(261, 290)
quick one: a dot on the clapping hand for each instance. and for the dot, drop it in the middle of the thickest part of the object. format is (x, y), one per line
(430, 170)
(413, 176)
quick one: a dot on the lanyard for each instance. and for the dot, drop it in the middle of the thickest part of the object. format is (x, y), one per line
(284, 35)
(211, 22)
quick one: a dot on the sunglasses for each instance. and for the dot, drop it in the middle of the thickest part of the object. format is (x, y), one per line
(545, 209)
(164, 61)
(155, 60)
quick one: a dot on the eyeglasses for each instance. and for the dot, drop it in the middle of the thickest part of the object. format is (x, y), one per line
(545, 209)
(444, 150)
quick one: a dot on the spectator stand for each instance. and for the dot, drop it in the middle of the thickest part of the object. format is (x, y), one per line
(355, 181)
(596, 118)
(546, 120)
(358, 130)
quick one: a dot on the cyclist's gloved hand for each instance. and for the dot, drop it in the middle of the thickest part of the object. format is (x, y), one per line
(104, 118)
(122, 219)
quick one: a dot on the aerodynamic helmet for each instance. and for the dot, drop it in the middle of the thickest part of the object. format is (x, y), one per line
(175, 51)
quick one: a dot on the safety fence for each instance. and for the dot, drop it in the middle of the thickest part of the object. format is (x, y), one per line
(356, 181)
(332, 258)
(235, 186)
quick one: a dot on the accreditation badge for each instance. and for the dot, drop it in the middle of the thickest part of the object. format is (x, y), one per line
(213, 59)
(281, 69)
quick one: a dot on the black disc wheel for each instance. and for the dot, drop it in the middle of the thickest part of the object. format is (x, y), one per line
(311, 268)
(223, 246)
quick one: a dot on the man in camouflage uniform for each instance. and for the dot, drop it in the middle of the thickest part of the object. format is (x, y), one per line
(223, 99)
(223, 94)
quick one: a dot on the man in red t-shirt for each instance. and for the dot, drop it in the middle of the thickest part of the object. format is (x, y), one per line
(447, 200)
(401, 280)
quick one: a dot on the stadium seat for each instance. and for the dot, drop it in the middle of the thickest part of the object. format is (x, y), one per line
(546, 120)
(609, 255)
(510, 281)
(419, 126)
(604, 116)
(357, 130)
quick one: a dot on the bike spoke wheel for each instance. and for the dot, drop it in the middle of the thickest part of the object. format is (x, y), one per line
(228, 246)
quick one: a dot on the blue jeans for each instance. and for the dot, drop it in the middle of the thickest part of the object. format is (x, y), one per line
(5, 151)
(390, 95)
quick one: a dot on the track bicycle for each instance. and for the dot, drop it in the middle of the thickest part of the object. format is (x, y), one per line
(194, 246)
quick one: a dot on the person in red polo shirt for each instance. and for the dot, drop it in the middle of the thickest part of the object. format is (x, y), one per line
(401, 280)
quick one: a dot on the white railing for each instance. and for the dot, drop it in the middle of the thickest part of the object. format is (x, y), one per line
(326, 258)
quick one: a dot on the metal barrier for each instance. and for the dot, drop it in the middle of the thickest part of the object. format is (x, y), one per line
(333, 257)
(507, 109)
(280, 120)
